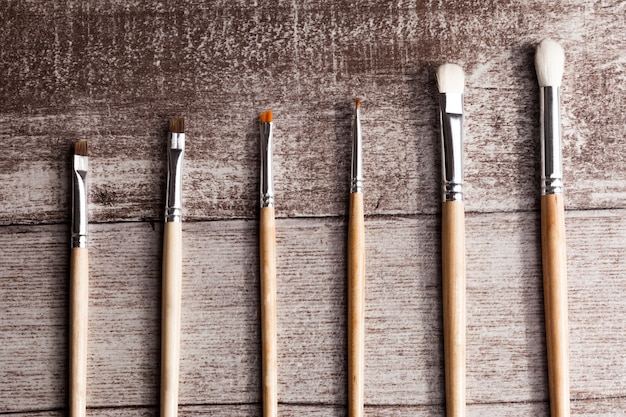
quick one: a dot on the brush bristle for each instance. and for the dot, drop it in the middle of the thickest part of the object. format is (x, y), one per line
(358, 103)
(549, 63)
(450, 79)
(266, 117)
(177, 125)
(80, 148)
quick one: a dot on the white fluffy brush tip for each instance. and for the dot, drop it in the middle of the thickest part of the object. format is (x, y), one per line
(549, 63)
(450, 79)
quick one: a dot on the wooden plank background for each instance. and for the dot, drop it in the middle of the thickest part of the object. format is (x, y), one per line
(113, 72)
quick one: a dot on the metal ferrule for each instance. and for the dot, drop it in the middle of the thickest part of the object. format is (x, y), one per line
(451, 114)
(356, 182)
(174, 193)
(79, 202)
(551, 157)
(267, 182)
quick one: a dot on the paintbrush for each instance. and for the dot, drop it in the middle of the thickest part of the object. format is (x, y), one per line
(267, 248)
(79, 283)
(451, 83)
(172, 270)
(549, 64)
(356, 275)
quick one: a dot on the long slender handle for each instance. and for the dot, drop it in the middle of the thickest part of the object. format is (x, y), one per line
(356, 306)
(453, 288)
(267, 244)
(79, 300)
(170, 317)
(555, 300)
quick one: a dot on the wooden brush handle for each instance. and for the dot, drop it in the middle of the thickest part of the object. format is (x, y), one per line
(170, 317)
(356, 306)
(79, 300)
(267, 245)
(453, 289)
(555, 300)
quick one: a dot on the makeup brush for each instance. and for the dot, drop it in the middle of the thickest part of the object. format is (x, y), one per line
(451, 82)
(172, 270)
(267, 246)
(549, 64)
(79, 283)
(356, 275)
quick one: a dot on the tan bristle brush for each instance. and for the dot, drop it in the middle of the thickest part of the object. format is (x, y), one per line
(267, 255)
(172, 270)
(79, 284)
(356, 275)
(549, 64)
(451, 83)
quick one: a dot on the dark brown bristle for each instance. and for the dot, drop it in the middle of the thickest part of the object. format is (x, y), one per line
(80, 148)
(358, 103)
(177, 125)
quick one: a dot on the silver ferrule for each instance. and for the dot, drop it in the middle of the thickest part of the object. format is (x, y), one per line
(551, 156)
(174, 193)
(79, 201)
(267, 182)
(356, 176)
(451, 115)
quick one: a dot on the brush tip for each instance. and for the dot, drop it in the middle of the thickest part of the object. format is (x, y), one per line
(177, 125)
(549, 63)
(450, 79)
(358, 103)
(80, 148)
(266, 117)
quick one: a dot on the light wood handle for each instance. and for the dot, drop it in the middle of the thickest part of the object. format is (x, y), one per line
(267, 245)
(453, 290)
(170, 317)
(555, 301)
(356, 306)
(79, 301)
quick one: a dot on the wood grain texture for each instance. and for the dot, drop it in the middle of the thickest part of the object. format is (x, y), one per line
(79, 319)
(356, 305)
(171, 312)
(554, 261)
(603, 407)
(269, 332)
(453, 291)
(114, 73)
(220, 340)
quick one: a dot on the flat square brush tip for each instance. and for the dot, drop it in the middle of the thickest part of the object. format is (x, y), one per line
(80, 148)
(177, 125)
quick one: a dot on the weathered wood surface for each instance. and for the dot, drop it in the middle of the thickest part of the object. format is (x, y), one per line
(113, 72)
(220, 357)
(607, 408)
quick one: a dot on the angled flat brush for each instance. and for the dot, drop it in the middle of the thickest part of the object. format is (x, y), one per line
(79, 284)
(356, 275)
(549, 64)
(451, 83)
(172, 270)
(267, 255)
